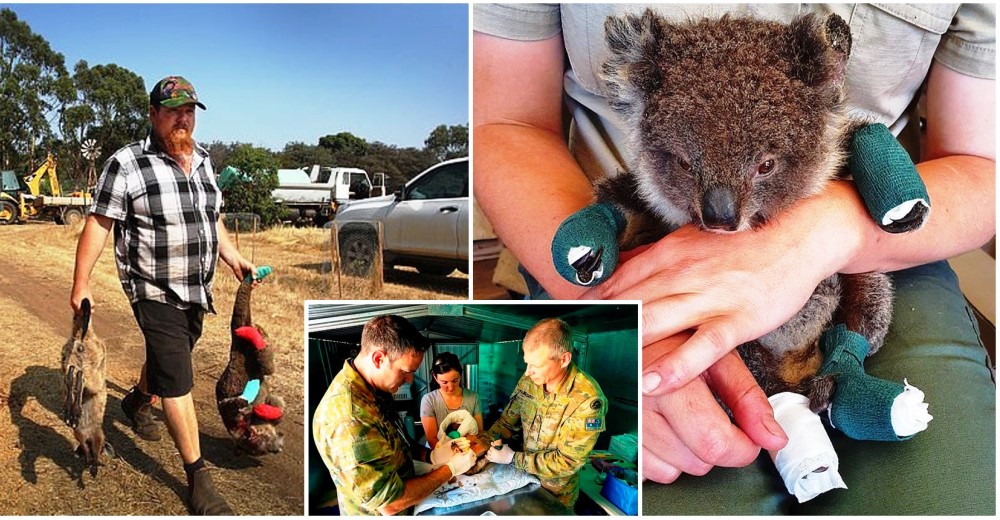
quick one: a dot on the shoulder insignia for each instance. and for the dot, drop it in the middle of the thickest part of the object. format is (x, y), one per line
(593, 424)
(596, 404)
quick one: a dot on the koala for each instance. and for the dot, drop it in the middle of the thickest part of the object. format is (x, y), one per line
(730, 122)
(86, 394)
(250, 412)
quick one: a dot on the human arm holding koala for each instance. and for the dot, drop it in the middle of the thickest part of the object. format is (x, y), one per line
(518, 142)
(728, 285)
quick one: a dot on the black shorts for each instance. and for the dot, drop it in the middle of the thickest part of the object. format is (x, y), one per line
(170, 335)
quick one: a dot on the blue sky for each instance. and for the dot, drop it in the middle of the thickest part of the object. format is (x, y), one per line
(273, 74)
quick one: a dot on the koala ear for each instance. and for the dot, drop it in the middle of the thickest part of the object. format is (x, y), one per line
(818, 49)
(632, 72)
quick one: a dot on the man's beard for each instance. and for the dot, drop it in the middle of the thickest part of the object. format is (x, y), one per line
(178, 142)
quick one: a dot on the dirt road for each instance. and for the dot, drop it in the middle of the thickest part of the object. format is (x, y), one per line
(39, 474)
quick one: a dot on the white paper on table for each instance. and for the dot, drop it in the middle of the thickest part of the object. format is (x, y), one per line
(495, 480)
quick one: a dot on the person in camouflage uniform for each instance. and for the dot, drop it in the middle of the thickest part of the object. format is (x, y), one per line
(558, 409)
(359, 435)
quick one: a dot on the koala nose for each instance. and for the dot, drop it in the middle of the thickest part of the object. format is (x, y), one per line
(718, 209)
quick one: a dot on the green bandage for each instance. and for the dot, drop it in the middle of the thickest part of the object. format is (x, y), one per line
(862, 404)
(589, 239)
(887, 180)
(262, 272)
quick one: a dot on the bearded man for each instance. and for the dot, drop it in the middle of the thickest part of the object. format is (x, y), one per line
(160, 196)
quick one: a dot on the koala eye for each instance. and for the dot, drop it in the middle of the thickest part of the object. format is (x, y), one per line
(686, 166)
(766, 167)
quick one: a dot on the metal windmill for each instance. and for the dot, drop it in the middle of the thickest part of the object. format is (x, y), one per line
(91, 152)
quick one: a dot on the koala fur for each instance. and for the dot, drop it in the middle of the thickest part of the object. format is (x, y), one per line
(253, 434)
(86, 395)
(729, 123)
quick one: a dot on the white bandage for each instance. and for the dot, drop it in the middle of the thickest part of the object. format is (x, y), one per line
(466, 424)
(808, 464)
(901, 211)
(909, 412)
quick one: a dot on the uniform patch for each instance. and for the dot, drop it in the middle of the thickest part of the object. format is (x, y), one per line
(596, 404)
(593, 424)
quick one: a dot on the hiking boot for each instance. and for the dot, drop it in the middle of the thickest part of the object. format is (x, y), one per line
(203, 499)
(138, 407)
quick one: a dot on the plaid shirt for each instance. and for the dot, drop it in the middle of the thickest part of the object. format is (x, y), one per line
(166, 243)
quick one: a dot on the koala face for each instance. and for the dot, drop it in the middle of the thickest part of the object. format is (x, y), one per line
(730, 121)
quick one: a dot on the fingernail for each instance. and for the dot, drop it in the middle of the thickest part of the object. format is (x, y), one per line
(650, 381)
(773, 427)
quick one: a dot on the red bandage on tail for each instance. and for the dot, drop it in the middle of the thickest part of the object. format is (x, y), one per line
(267, 412)
(252, 335)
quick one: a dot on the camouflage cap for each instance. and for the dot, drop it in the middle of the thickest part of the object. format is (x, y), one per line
(174, 91)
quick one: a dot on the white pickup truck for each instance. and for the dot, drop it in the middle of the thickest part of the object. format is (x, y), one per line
(314, 194)
(425, 224)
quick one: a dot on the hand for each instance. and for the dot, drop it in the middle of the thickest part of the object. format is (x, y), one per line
(444, 450)
(441, 452)
(78, 294)
(729, 288)
(461, 462)
(686, 431)
(242, 267)
(461, 443)
(504, 455)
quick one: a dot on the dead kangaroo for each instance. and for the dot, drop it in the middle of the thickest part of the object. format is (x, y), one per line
(83, 362)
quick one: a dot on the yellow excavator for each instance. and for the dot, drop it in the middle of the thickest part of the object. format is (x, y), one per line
(18, 204)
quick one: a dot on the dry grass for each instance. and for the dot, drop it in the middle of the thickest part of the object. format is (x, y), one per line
(39, 474)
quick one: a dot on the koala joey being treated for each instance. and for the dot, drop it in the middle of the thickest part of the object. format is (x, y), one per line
(729, 122)
(250, 412)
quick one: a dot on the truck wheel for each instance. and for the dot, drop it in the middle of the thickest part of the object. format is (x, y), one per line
(357, 253)
(71, 216)
(8, 213)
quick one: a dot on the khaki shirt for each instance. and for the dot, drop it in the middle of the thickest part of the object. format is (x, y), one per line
(366, 454)
(559, 430)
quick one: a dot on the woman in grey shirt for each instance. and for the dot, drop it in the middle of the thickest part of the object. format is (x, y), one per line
(447, 396)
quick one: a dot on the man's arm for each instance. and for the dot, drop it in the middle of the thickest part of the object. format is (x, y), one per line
(958, 164)
(574, 441)
(527, 182)
(231, 255)
(518, 142)
(88, 250)
(417, 489)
